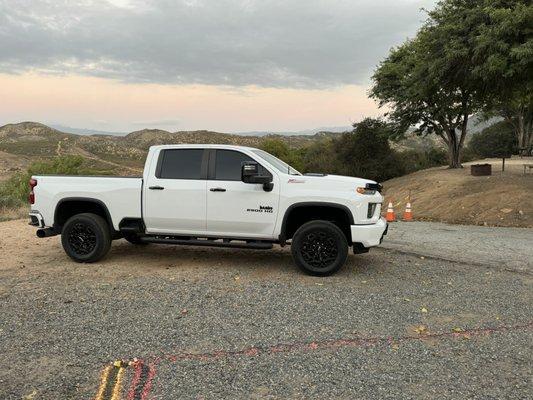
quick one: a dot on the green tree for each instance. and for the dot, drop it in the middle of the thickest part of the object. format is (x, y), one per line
(365, 152)
(503, 62)
(427, 83)
(320, 157)
(280, 149)
(497, 140)
(277, 148)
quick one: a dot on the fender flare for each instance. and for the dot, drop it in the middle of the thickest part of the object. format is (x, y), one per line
(100, 203)
(292, 207)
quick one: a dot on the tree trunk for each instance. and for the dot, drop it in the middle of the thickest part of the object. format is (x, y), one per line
(529, 132)
(522, 123)
(522, 137)
(454, 155)
(503, 164)
(455, 144)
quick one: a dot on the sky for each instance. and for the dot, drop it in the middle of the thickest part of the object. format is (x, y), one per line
(223, 65)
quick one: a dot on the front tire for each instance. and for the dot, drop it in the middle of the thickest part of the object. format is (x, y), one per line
(86, 237)
(319, 248)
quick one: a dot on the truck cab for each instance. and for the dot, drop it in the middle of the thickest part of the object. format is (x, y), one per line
(213, 195)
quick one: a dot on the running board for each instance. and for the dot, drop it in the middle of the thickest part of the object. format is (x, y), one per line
(257, 245)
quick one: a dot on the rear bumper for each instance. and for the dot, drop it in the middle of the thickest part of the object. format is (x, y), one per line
(369, 235)
(36, 219)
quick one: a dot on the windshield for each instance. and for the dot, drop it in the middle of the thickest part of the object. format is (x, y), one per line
(276, 163)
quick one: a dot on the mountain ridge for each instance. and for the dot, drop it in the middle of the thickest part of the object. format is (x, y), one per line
(34, 140)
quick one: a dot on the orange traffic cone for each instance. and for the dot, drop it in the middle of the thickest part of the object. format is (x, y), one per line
(408, 214)
(390, 217)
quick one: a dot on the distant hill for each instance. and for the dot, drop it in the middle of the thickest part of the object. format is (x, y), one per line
(32, 140)
(306, 132)
(84, 131)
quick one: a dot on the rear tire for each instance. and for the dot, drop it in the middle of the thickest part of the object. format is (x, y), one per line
(319, 248)
(86, 237)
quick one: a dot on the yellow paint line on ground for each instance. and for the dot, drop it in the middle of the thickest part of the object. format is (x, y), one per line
(103, 383)
(118, 385)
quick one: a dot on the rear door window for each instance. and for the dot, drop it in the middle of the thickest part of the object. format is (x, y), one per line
(181, 164)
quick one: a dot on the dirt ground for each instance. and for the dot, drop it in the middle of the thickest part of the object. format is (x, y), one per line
(429, 321)
(454, 196)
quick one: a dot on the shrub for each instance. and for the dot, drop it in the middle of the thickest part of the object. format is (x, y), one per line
(498, 140)
(320, 157)
(468, 154)
(14, 191)
(415, 160)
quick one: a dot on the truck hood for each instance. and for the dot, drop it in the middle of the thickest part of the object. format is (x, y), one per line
(335, 180)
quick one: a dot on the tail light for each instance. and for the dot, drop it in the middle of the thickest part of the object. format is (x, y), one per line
(33, 183)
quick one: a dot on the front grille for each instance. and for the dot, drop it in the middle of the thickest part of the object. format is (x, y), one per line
(371, 210)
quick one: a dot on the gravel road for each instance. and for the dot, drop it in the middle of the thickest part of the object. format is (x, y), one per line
(446, 318)
(504, 247)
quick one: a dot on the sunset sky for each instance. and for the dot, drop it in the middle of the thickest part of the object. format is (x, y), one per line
(225, 65)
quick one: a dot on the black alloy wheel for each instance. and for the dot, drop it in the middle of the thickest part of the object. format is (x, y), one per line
(81, 239)
(86, 237)
(319, 248)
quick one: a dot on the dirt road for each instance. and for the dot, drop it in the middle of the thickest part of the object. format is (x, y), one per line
(435, 320)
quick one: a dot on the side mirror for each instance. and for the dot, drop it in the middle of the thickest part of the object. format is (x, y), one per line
(250, 174)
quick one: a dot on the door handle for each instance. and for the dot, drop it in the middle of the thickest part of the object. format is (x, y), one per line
(217, 189)
(156, 188)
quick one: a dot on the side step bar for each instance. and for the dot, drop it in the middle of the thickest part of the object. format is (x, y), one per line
(257, 245)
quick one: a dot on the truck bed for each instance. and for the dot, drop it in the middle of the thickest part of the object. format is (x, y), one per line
(120, 194)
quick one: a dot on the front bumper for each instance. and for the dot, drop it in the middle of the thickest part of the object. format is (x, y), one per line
(369, 235)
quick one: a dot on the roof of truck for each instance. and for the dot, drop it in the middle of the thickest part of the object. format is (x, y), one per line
(201, 146)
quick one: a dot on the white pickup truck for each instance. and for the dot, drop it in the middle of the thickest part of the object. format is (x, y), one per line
(212, 195)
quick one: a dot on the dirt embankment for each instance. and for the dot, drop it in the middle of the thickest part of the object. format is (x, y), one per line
(454, 196)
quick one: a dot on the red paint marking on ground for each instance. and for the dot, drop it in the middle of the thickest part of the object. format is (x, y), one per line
(141, 384)
(149, 380)
(133, 393)
(328, 344)
(337, 343)
(135, 380)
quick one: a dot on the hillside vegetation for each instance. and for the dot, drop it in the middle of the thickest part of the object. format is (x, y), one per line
(24, 142)
(122, 154)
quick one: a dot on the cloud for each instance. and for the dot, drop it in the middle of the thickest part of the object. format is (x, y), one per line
(268, 43)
